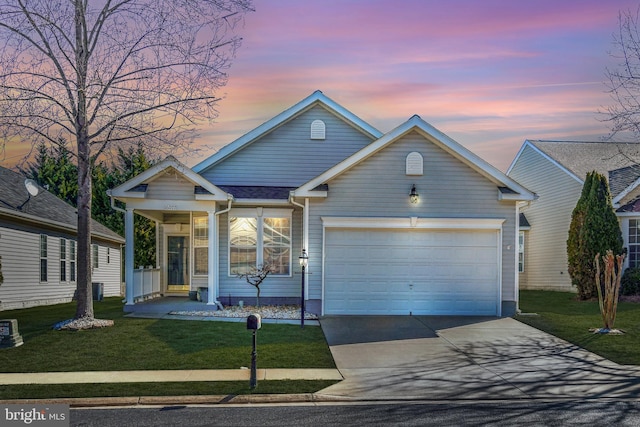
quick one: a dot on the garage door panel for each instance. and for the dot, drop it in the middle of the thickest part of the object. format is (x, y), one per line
(411, 271)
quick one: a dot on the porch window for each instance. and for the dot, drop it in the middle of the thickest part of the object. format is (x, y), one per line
(634, 243)
(72, 260)
(200, 245)
(63, 260)
(521, 252)
(257, 237)
(43, 258)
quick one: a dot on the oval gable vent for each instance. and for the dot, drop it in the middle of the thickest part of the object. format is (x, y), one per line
(318, 130)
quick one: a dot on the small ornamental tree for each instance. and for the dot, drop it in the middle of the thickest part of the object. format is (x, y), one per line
(255, 277)
(594, 229)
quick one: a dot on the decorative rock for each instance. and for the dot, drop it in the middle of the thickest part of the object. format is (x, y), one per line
(266, 312)
(82, 323)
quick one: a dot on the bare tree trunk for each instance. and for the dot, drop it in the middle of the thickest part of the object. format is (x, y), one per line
(84, 287)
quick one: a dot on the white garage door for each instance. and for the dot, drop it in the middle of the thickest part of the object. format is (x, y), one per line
(420, 272)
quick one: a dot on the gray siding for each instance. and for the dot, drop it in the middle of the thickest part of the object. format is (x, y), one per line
(287, 156)
(170, 187)
(550, 217)
(20, 251)
(379, 187)
(273, 286)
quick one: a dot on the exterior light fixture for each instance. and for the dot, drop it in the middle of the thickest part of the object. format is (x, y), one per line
(414, 197)
(304, 261)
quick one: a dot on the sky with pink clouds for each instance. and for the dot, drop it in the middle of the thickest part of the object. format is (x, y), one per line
(489, 73)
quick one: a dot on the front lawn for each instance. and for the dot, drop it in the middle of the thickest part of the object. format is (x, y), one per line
(133, 344)
(562, 315)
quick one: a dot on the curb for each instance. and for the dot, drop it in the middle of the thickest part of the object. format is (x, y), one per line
(89, 402)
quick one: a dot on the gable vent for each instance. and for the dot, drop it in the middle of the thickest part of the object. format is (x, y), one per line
(414, 164)
(318, 129)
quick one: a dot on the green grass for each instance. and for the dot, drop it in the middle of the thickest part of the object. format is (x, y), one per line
(563, 315)
(149, 344)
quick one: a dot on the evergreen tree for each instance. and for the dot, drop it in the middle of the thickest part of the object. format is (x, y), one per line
(53, 169)
(594, 229)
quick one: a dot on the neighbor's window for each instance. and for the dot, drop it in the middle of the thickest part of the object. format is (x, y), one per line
(200, 245)
(521, 252)
(43, 257)
(72, 260)
(63, 260)
(94, 256)
(255, 240)
(634, 243)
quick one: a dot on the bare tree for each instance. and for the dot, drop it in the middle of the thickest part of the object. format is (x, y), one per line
(255, 276)
(106, 73)
(623, 81)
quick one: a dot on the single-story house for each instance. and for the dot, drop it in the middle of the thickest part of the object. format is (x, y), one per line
(406, 222)
(38, 235)
(555, 171)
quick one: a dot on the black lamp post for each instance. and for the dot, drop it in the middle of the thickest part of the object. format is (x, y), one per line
(304, 261)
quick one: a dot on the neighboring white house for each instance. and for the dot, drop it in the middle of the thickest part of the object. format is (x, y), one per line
(555, 171)
(38, 247)
(407, 222)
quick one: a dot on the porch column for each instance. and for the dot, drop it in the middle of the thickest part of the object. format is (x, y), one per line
(128, 255)
(212, 277)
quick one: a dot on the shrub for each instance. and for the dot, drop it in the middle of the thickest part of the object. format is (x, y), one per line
(630, 282)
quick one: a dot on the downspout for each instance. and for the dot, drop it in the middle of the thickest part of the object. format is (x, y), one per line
(216, 256)
(122, 258)
(305, 230)
(128, 250)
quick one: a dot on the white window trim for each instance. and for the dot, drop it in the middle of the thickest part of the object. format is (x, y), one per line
(95, 259)
(45, 257)
(64, 258)
(259, 213)
(193, 245)
(73, 261)
(521, 235)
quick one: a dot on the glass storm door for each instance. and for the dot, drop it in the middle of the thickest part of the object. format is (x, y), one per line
(178, 263)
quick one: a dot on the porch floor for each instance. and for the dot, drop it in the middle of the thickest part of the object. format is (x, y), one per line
(164, 305)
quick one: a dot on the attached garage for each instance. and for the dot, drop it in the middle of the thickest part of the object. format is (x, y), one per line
(413, 270)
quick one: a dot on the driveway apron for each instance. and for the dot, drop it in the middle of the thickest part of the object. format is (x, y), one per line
(438, 357)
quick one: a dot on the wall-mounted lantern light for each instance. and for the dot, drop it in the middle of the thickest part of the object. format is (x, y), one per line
(414, 197)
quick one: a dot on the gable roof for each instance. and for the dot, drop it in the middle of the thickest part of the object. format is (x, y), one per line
(316, 98)
(44, 208)
(509, 189)
(137, 187)
(618, 161)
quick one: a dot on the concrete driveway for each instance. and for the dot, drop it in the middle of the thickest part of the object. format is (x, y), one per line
(435, 357)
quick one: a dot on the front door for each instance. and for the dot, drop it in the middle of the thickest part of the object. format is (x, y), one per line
(177, 263)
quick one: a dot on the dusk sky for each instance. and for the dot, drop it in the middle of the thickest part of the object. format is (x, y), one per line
(488, 73)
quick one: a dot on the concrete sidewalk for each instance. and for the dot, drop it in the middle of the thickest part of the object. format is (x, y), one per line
(204, 375)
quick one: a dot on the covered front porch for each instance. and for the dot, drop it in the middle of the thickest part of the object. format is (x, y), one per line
(185, 208)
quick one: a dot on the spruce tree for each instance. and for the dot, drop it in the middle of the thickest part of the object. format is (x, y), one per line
(594, 229)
